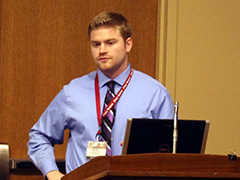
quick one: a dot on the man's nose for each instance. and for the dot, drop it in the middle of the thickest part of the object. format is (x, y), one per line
(103, 49)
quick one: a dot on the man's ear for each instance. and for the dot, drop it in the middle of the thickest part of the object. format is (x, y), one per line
(129, 44)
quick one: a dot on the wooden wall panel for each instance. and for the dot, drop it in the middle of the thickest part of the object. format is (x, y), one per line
(44, 44)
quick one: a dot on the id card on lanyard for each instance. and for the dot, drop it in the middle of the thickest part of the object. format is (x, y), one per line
(112, 103)
(96, 148)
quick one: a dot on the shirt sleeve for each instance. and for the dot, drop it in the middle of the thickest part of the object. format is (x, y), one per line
(48, 131)
(164, 106)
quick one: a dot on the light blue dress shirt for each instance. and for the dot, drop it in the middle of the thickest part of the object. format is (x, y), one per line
(74, 108)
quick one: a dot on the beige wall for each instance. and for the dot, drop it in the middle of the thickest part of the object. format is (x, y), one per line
(201, 65)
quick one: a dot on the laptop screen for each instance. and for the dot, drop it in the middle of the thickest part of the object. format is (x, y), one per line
(156, 135)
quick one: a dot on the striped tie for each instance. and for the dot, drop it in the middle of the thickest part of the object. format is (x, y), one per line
(108, 120)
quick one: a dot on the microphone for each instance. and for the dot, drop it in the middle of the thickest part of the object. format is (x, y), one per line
(175, 128)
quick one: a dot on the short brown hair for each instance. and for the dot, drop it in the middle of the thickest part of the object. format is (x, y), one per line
(111, 19)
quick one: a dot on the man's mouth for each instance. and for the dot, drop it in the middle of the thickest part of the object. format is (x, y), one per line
(103, 58)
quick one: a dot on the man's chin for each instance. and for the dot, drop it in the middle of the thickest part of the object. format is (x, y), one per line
(108, 71)
(105, 66)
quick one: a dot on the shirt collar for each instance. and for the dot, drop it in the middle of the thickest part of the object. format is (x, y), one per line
(103, 79)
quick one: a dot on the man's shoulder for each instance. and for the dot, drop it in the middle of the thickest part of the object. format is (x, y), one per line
(84, 79)
(82, 82)
(146, 80)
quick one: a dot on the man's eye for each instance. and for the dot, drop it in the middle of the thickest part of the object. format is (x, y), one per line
(111, 42)
(95, 44)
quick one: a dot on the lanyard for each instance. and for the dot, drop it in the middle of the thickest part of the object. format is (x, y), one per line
(114, 100)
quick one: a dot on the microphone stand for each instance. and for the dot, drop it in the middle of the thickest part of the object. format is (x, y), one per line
(175, 128)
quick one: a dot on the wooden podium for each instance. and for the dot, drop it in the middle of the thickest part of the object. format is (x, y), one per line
(158, 166)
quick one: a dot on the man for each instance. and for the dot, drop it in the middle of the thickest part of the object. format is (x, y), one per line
(79, 106)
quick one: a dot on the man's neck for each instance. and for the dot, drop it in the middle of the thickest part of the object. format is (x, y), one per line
(112, 74)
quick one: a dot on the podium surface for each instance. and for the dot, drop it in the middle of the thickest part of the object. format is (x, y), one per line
(158, 166)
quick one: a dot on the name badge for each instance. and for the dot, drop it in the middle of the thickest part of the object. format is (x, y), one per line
(95, 149)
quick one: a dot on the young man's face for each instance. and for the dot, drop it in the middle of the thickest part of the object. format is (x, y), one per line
(110, 51)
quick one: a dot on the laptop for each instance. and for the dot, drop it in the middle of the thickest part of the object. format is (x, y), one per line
(156, 135)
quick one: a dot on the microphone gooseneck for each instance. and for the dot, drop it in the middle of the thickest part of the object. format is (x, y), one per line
(175, 128)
